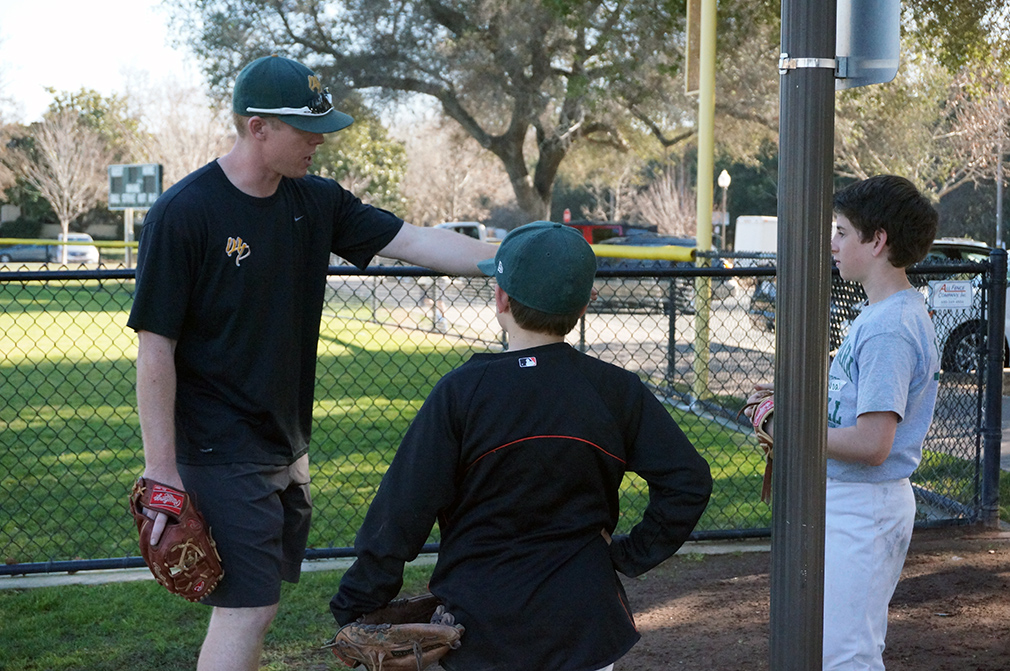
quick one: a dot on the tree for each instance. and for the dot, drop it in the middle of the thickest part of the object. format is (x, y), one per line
(941, 130)
(7, 177)
(960, 32)
(746, 104)
(109, 117)
(900, 128)
(449, 176)
(556, 71)
(530, 80)
(613, 198)
(602, 184)
(979, 112)
(365, 160)
(177, 126)
(65, 160)
(669, 204)
(106, 128)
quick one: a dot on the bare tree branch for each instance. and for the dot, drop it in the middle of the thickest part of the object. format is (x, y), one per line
(669, 204)
(66, 161)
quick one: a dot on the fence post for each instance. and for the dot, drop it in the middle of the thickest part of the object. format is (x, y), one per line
(376, 281)
(671, 349)
(992, 429)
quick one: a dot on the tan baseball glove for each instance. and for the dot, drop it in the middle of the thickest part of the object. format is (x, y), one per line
(185, 560)
(759, 409)
(406, 635)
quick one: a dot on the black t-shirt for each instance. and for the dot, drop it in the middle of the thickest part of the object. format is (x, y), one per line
(239, 282)
(520, 458)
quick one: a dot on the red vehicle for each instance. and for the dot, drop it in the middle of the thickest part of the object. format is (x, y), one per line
(595, 232)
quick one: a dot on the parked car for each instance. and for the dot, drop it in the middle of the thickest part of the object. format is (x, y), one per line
(845, 297)
(633, 294)
(24, 253)
(959, 331)
(76, 254)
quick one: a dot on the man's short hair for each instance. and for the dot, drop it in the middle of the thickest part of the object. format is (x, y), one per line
(891, 204)
(241, 121)
(531, 319)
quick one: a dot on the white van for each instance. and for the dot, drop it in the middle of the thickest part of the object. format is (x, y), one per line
(76, 253)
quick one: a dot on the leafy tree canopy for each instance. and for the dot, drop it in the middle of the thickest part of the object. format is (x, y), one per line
(559, 71)
(365, 159)
(532, 79)
(959, 32)
(110, 116)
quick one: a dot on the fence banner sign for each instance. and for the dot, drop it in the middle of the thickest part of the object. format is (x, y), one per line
(950, 294)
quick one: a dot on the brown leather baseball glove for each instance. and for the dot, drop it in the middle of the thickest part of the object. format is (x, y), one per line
(185, 560)
(406, 635)
(759, 409)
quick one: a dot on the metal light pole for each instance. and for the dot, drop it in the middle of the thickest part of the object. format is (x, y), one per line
(999, 174)
(806, 139)
(999, 196)
(864, 50)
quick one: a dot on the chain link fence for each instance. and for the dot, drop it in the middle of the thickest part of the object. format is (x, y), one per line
(70, 445)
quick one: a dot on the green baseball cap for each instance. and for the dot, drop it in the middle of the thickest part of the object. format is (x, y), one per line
(288, 90)
(546, 266)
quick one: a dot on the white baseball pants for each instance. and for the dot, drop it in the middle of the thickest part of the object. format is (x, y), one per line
(868, 527)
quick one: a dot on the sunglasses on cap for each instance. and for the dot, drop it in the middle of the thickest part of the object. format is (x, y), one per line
(320, 105)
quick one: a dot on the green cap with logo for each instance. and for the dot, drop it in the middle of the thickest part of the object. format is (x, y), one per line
(288, 90)
(546, 266)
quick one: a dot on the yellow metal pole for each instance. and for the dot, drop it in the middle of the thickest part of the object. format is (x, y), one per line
(663, 252)
(704, 192)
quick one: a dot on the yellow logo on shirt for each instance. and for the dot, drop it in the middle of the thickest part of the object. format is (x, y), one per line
(239, 248)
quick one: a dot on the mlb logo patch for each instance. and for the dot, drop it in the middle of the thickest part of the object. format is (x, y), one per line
(527, 362)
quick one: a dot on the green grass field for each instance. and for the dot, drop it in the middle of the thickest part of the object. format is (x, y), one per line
(70, 449)
(70, 445)
(138, 625)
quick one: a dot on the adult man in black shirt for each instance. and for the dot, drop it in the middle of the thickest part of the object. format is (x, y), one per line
(230, 284)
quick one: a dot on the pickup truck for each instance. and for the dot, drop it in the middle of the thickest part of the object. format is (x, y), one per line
(475, 230)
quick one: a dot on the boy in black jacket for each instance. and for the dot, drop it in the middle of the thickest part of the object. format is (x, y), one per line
(519, 456)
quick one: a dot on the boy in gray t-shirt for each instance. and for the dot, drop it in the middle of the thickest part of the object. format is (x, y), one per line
(890, 340)
(881, 392)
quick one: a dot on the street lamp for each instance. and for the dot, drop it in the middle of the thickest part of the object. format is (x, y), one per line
(723, 181)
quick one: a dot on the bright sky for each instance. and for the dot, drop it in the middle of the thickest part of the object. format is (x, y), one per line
(95, 44)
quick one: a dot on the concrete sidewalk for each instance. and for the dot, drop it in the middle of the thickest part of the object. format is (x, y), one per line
(133, 574)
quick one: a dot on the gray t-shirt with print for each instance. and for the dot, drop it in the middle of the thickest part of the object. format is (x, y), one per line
(889, 361)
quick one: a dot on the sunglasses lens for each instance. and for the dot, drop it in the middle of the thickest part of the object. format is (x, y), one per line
(322, 103)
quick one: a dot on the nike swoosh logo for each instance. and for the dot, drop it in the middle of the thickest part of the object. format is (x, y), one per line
(297, 219)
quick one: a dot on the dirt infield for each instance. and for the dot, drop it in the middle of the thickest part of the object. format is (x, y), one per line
(950, 612)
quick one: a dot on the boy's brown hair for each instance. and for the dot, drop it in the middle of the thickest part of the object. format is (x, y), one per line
(531, 319)
(891, 204)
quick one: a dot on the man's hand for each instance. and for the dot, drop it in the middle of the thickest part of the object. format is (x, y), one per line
(161, 519)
